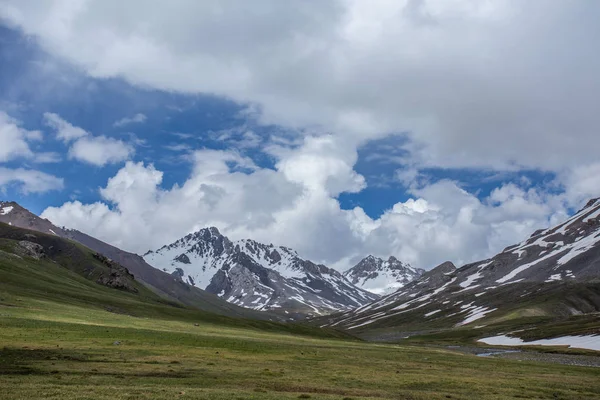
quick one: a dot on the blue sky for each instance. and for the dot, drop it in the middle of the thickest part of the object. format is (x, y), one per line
(340, 139)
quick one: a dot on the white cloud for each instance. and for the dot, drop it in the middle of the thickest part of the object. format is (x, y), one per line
(29, 181)
(178, 147)
(498, 84)
(14, 140)
(137, 118)
(64, 130)
(47, 157)
(100, 150)
(95, 150)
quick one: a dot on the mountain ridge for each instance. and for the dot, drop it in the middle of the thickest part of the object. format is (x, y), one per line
(257, 275)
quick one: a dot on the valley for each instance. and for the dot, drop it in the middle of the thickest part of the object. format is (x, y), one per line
(74, 321)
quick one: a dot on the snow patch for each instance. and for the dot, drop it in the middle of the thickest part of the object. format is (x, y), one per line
(475, 314)
(6, 210)
(589, 342)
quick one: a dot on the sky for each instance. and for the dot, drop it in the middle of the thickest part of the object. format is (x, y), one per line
(430, 130)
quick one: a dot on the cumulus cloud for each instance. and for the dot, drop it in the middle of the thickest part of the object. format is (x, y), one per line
(100, 150)
(14, 140)
(15, 145)
(294, 205)
(29, 181)
(137, 118)
(95, 150)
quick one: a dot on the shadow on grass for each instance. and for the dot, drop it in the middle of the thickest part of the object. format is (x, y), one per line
(14, 361)
(22, 361)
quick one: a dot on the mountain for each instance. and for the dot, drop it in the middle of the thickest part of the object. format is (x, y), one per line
(382, 276)
(255, 275)
(159, 282)
(555, 273)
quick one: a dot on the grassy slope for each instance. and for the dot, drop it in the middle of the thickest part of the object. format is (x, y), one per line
(57, 341)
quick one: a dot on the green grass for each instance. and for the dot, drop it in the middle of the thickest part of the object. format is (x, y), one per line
(63, 336)
(53, 350)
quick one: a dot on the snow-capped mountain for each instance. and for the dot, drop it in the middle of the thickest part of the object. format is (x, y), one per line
(381, 276)
(256, 275)
(554, 272)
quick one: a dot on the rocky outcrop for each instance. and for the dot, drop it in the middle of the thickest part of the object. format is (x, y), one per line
(117, 277)
(30, 249)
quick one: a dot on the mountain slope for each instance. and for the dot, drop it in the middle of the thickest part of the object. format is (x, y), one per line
(256, 275)
(158, 281)
(553, 274)
(382, 276)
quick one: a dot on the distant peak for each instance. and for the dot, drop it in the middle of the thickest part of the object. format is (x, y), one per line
(205, 232)
(10, 204)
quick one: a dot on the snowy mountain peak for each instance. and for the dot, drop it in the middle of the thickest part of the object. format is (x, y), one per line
(382, 276)
(256, 275)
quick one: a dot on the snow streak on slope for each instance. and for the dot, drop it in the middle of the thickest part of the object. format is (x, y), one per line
(589, 342)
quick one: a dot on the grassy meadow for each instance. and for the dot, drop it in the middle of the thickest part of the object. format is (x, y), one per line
(53, 350)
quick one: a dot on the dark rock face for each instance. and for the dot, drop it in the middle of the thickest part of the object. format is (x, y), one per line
(182, 258)
(256, 275)
(118, 276)
(178, 273)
